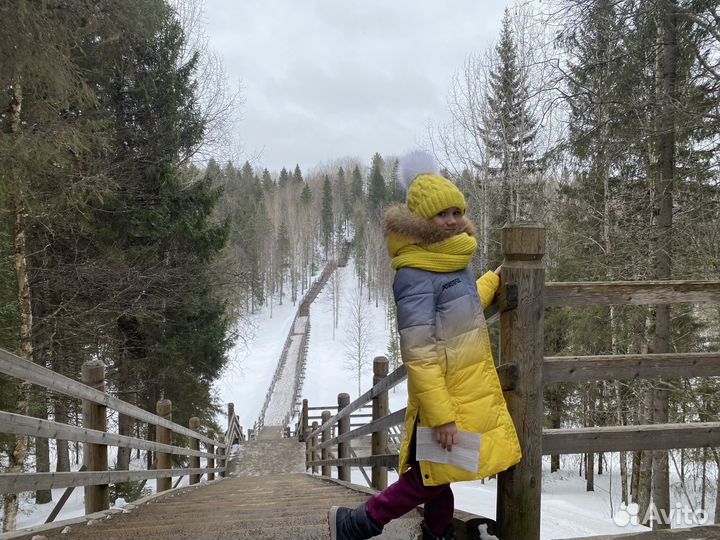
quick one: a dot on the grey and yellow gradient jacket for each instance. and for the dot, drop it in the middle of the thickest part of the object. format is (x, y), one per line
(446, 349)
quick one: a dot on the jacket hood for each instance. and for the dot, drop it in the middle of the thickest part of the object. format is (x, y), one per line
(400, 221)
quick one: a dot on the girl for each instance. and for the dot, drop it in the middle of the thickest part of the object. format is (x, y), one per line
(452, 381)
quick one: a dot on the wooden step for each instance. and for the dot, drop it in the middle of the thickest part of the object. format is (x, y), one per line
(292, 506)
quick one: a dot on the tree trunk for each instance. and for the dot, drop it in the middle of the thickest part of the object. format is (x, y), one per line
(42, 449)
(125, 425)
(635, 476)
(555, 401)
(666, 77)
(590, 472)
(63, 448)
(645, 469)
(20, 449)
(717, 488)
(60, 408)
(590, 456)
(623, 455)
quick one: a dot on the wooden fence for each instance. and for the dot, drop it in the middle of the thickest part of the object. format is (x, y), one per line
(523, 372)
(95, 438)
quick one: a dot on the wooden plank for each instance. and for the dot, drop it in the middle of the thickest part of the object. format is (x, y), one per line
(16, 483)
(392, 419)
(630, 366)
(645, 437)
(383, 460)
(631, 293)
(35, 427)
(15, 366)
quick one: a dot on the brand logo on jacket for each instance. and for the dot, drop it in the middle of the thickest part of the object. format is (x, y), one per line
(451, 283)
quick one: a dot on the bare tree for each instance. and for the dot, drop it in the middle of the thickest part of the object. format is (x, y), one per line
(357, 336)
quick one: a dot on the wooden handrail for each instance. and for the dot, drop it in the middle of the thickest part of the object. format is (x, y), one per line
(27, 425)
(391, 381)
(392, 419)
(630, 366)
(95, 438)
(631, 293)
(13, 365)
(638, 437)
(15, 483)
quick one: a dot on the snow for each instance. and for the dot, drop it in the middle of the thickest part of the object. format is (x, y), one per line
(253, 362)
(567, 510)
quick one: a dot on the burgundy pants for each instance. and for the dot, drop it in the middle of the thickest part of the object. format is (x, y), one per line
(408, 492)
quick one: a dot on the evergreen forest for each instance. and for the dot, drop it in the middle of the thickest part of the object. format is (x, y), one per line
(127, 235)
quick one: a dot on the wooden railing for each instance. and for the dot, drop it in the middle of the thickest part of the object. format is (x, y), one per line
(93, 434)
(524, 371)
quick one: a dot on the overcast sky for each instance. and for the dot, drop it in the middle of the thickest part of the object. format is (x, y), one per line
(334, 78)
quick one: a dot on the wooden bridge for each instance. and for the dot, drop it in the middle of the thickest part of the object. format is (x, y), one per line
(262, 489)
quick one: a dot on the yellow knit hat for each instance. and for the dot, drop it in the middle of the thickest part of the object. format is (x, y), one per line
(428, 193)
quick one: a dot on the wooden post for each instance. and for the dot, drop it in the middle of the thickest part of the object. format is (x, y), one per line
(222, 461)
(163, 435)
(230, 416)
(194, 424)
(343, 427)
(326, 469)
(313, 443)
(304, 421)
(521, 343)
(95, 455)
(379, 410)
(211, 461)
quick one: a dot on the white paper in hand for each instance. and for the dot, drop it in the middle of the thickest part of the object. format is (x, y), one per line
(465, 453)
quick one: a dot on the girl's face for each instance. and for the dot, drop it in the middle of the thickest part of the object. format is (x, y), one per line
(449, 220)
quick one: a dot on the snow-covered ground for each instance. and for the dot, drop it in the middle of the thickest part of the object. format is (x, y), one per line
(568, 510)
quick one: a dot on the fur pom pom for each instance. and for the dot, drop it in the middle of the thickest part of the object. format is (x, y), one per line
(413, 164)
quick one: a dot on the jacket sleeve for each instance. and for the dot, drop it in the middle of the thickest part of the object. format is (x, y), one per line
(487, 286)
(420, 353)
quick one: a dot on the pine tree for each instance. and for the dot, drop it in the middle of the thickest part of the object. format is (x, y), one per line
(342, 206)
(306, 195)
(328, 220)
(395, 193)
(267, 181)
(283, 179)
(297, 176)
(283, 255)
(509, 128)
(376, 187)
(356, 186)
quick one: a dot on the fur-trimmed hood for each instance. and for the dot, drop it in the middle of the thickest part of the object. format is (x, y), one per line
(400, 221)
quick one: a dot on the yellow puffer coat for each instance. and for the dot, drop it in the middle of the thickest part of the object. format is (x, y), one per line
(446, 348)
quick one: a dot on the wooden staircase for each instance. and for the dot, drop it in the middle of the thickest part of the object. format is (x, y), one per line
(267, 496)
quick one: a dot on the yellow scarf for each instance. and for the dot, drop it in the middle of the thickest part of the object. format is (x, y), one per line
(450, 255)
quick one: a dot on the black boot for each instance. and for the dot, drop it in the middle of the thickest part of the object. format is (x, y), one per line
(351, 523)
(427, 534)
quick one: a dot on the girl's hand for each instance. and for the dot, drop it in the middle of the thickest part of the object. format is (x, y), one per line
(497, 270)
(447, 435)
